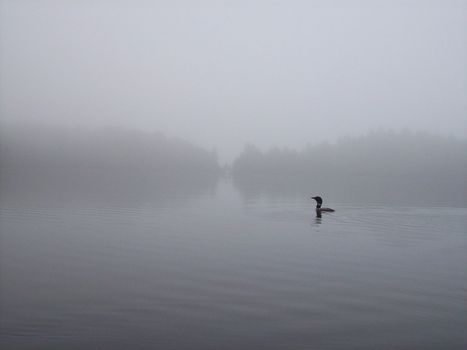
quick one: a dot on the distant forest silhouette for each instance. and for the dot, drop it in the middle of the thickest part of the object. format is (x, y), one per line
(380, 167)
(106, 161)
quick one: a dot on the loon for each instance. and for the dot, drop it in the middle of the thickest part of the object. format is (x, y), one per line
(319, 210)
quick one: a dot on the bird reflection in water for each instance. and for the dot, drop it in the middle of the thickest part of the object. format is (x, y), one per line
(318, 220)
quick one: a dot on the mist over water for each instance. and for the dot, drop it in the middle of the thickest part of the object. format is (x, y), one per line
(116, 238)
(382, 167)
(215, 270)
(158, 159)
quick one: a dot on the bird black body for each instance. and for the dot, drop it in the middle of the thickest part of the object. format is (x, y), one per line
(319, 209)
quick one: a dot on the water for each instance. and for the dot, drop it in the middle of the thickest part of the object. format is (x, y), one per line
(219, 271)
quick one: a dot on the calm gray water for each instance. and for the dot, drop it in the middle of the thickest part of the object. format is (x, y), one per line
(217, 271)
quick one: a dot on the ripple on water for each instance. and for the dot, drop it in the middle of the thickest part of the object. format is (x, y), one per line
(223, 274)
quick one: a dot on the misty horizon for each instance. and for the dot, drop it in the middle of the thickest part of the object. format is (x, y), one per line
(379, 167)
(159, 159)
(57, 129)
(222, 75)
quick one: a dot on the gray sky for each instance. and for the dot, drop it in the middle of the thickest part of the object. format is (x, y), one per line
(223, 73)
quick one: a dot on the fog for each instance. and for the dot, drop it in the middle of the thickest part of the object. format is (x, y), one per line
(382, 167)
(359, 100)
(157, 159)
(110, 164)
(221, 74)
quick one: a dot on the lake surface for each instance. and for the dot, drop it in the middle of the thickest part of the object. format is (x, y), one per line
(223, 271)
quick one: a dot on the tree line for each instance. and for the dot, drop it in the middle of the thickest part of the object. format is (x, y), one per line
(106, 159)
(381, 166)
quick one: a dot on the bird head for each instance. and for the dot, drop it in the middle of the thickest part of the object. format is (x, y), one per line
(318, 200)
